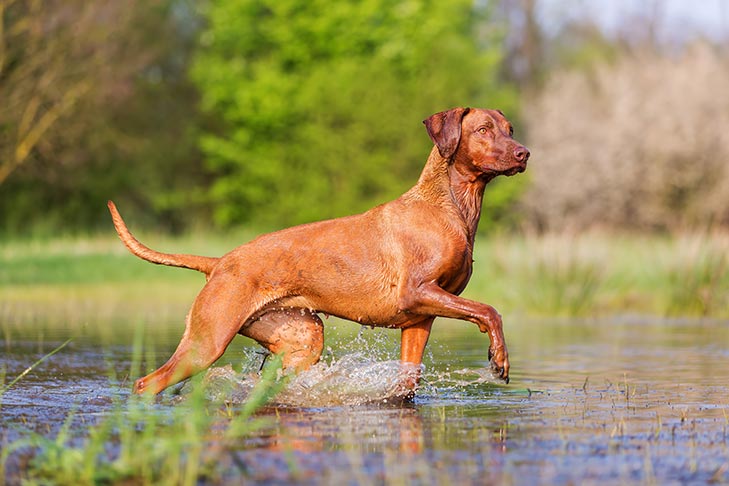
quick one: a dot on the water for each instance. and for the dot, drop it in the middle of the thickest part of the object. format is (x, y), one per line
(613, 401)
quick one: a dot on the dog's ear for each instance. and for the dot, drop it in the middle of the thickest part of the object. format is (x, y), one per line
(444, 129)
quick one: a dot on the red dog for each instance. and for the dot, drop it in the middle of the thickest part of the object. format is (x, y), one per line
(399, 265)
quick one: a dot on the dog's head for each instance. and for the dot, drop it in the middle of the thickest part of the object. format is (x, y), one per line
(479, 140)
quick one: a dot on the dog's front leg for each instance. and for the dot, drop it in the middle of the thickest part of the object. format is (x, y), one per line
(412, 346)
(428, 299)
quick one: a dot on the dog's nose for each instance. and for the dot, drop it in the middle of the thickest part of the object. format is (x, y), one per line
(521, 153)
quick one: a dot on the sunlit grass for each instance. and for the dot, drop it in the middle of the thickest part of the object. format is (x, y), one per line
(551, 276)
(699, 278)
(599, 275)
(554, 275)
(4, 387)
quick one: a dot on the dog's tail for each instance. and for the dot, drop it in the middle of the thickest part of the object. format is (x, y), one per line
(200, 263)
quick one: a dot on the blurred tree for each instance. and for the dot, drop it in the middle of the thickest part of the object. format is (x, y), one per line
(524, 62)
(39, 89)
(320, 102)
(96, 103)
(639, 143)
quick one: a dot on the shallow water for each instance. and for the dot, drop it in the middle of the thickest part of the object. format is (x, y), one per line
(624, 400)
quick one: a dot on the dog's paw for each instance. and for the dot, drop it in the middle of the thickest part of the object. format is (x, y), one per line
(499, 365)
(139, 386)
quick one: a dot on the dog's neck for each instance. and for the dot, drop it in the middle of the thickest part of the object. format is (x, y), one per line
(442, 183)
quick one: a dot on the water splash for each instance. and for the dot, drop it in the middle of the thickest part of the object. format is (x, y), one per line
(365, 373)
(460, 381)
(354, 379)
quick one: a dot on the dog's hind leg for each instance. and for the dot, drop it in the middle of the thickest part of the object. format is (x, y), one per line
(213, 322)
(296, 333)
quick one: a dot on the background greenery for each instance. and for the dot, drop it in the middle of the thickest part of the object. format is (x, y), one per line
(321, 102)
(63, 281)
(270, 113)
(263, 114)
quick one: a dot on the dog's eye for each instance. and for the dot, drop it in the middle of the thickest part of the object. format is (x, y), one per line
(511, 131)
(482, 130)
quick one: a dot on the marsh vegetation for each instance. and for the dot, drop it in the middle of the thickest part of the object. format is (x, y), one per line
(609, 383)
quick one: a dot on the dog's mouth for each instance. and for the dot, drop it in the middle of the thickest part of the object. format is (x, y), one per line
(517, 169)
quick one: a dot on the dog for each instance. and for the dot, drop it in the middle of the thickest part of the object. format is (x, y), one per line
(399, 265)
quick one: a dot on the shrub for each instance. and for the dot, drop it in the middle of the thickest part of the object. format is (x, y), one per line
(639, 143)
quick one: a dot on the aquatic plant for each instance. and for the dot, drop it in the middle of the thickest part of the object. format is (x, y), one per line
(137, 444)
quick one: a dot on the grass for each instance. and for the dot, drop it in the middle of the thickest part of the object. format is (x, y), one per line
(4, 387)
(135, 445)
(550, 276)
(598, 275)
(583, 275)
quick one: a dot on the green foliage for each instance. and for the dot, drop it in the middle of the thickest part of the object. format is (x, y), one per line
(321, 102)
(132, 136)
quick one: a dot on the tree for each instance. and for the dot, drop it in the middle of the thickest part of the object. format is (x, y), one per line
(319, 103)
(52, 58)
(525, 44)
(96, 104)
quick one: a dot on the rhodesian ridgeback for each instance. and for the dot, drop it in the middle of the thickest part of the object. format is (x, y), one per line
(399, 265)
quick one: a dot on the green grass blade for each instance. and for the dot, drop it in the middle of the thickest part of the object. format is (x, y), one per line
(33, 366)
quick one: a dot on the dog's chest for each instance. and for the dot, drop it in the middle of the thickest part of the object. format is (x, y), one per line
(457, 271)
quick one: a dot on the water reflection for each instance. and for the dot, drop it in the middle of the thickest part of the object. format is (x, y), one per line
(620, 400)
